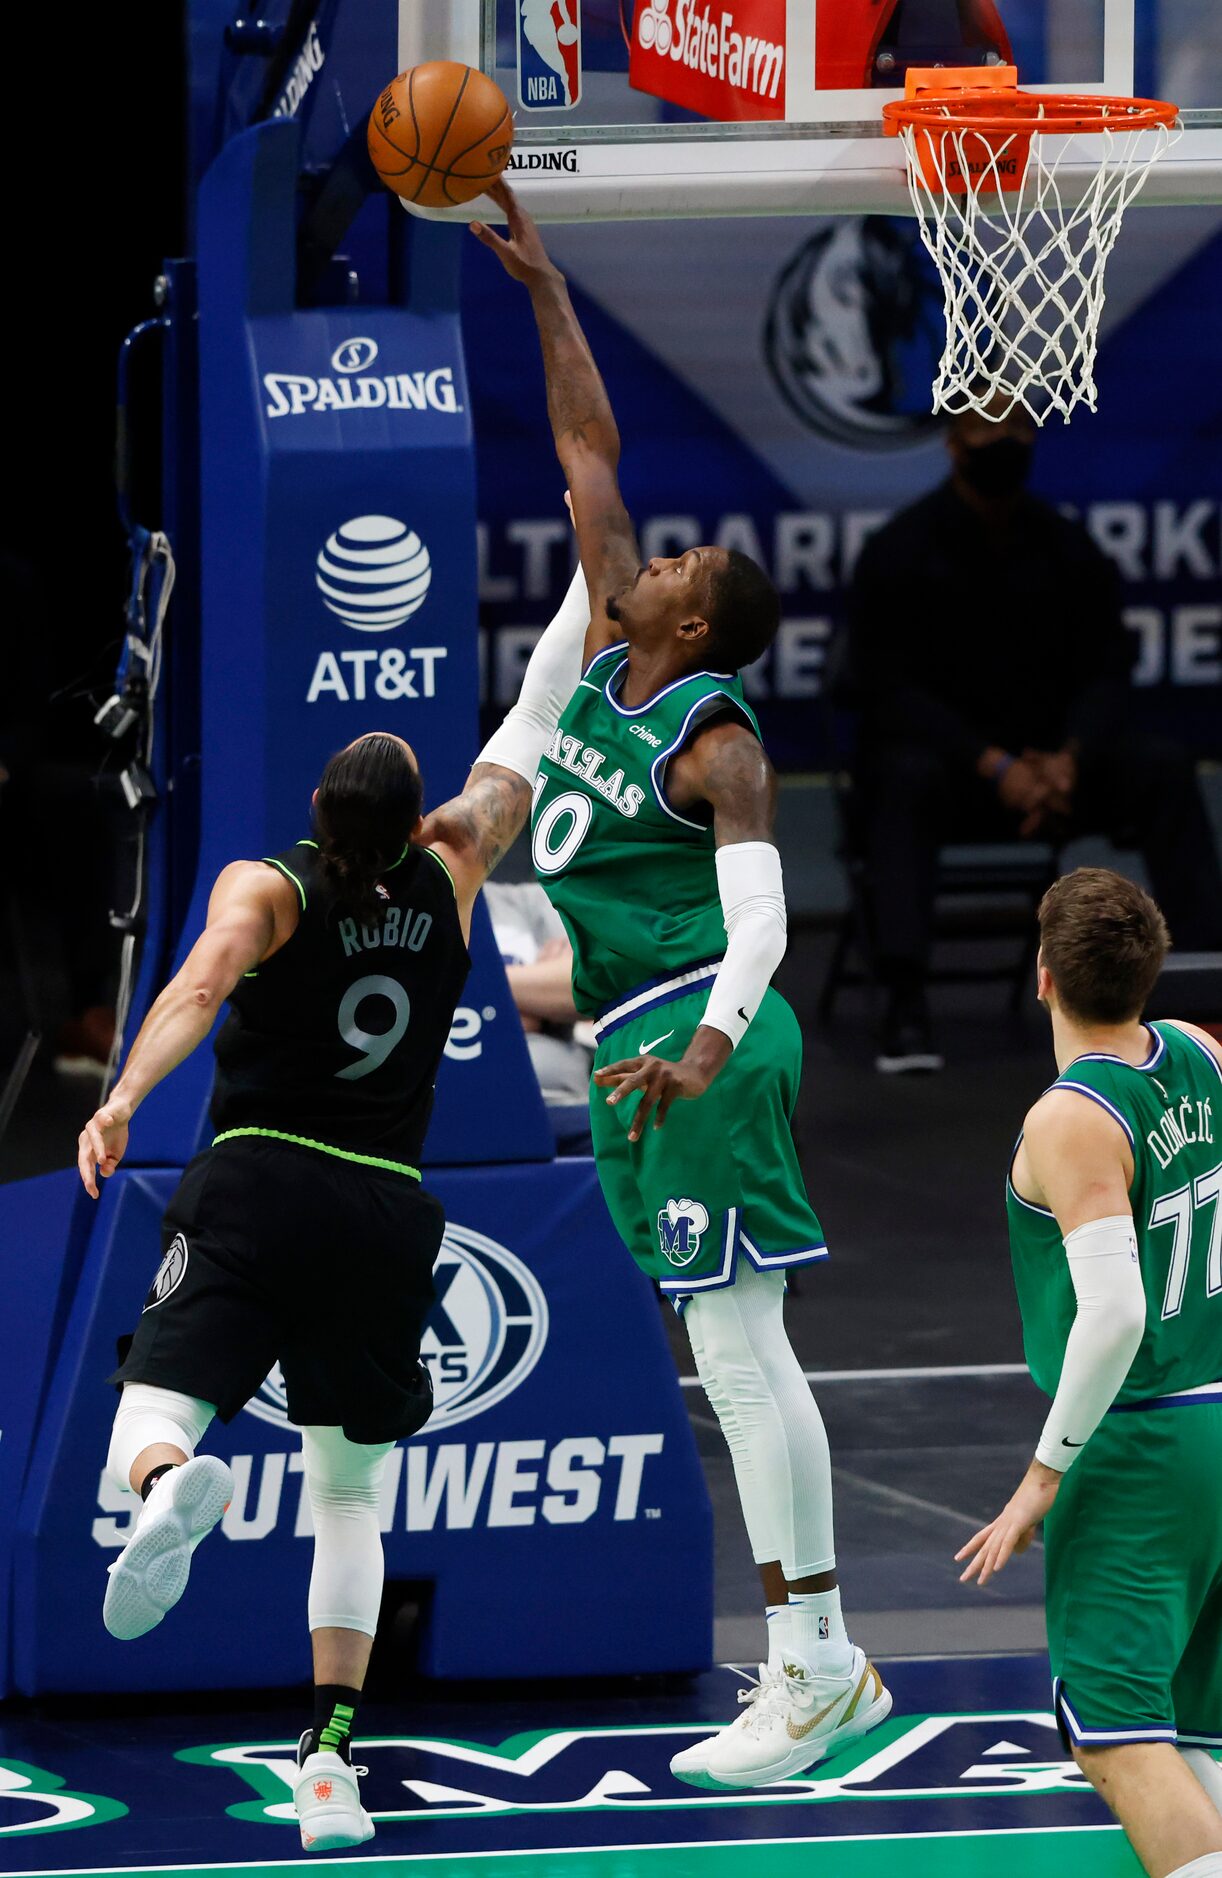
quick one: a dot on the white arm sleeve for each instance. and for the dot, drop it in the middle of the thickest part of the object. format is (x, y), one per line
(548, 683)
(1106, 1333)
(753, 902)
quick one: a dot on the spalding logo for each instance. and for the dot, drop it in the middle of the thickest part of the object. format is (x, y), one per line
(484, 1335)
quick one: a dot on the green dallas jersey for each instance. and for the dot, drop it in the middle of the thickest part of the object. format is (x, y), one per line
(1171, 1110)
(634, 881)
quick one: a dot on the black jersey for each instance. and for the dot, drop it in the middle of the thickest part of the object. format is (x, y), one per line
(335, 1040)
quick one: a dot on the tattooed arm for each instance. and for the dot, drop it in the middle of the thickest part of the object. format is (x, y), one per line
(583, 423)
(473, 832)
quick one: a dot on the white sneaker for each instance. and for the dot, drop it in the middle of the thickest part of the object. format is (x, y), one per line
(150, 1574)
(793, 1721)
(692, 1764)
(328, 1802)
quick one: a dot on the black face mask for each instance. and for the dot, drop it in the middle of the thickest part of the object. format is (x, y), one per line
(996, 469)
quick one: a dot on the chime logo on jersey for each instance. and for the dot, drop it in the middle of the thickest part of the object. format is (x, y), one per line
(170, 1273)
(549, 54)
(485, 1333)
(682, 1225)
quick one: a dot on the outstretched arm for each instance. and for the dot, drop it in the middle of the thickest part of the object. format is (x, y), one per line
(583, 424)
(726, 768)
(1075, 1160)
(473, 832)
(251, 912)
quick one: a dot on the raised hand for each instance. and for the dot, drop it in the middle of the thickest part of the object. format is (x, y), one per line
(522, 253)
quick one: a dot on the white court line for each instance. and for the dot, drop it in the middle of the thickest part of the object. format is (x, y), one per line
(564, 1851)
(895, 1375)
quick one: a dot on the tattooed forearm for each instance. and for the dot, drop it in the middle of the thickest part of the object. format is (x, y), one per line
(486, 818)
(577, 402)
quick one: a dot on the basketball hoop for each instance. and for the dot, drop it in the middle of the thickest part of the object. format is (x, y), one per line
(1020, 214)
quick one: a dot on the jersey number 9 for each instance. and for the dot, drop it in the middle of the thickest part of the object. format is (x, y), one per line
(375, 1046)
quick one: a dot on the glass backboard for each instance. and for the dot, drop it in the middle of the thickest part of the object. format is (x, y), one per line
(629, 108)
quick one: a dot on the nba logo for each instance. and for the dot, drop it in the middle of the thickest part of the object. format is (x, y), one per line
(549, 54)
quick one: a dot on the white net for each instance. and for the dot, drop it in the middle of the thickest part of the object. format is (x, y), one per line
(1022, 269)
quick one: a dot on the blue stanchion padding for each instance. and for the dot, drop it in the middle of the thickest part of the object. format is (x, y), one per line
(42, 1228)
(339, 584)
(558, 1478)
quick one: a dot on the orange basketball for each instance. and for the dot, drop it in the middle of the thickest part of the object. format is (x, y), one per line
(440, 133)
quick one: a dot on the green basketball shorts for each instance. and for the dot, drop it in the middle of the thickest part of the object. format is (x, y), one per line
(1133, 1564)
(720, 1178)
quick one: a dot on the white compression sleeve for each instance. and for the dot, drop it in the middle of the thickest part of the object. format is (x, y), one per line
(1104, 1339)
(753, 903)
(344, 1482)
(550, 679)
(149, 1417)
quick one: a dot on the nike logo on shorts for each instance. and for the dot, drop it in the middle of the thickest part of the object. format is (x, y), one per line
(647, 1047)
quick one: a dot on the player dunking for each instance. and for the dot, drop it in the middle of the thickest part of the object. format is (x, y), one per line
(302, 1235)
(652, 833)
(1115, 1209)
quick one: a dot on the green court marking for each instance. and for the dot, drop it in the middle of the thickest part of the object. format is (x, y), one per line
(1088, 1851)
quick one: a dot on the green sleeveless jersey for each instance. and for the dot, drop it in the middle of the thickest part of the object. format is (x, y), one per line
(634, 881)
(1171, 1110)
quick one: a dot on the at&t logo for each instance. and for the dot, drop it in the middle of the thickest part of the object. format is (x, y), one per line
(485, 1332)
(373, 573)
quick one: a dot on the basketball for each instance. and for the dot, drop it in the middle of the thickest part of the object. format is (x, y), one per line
(440, 134)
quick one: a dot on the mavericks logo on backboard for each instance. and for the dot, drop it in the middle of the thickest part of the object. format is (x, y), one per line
(484, 1335)
(853, 334)
(682, 1225)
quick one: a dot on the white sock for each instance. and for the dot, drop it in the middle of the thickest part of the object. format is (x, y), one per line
(816, 1631)
(1207, 1772)
(1208, 1867)
(777, 1616)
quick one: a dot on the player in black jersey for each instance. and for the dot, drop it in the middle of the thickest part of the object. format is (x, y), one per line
(302, 1235)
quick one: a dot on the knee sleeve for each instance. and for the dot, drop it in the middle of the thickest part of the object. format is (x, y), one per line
(148, 1417)
(771, 1422)
(343, 1481)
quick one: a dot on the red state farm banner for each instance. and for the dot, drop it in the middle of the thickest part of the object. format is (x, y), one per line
(722, 58)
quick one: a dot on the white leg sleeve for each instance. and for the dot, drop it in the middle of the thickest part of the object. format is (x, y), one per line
(147, 1416)
(770, 1420)
(1207, 1772)
(344, 1480)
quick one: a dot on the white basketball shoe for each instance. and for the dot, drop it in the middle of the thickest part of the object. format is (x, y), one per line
(150, 1574)
(792, 1719)
(327, 1797)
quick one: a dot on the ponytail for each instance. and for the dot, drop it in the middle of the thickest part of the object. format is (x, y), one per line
(368, 802)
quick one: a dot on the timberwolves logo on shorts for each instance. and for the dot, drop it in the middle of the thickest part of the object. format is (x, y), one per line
(682, 1225)
(484, 1334)
(170, 1273)
(549, 54)
(854, 333)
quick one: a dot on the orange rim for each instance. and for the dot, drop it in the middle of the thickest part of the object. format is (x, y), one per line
(1055, 113)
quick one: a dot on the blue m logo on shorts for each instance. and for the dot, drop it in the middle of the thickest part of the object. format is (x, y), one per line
(682, 1225)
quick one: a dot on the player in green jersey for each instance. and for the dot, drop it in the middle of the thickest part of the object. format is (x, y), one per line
(653, 812)
(1115, 1209)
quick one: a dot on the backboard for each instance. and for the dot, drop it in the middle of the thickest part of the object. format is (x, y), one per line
(660, 108)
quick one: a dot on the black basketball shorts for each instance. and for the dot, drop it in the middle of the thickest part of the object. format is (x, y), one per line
(275, 1253)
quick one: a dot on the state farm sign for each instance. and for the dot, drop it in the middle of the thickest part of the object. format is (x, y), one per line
(722, 58)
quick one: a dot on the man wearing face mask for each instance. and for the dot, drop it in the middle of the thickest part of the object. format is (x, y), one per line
(990, 664)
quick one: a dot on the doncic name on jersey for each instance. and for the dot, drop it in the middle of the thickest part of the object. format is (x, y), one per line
(485, 1335)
